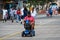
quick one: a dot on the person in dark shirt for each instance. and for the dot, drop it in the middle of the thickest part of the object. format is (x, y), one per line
(25, 11)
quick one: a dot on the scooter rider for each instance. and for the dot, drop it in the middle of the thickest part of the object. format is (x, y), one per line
(31, 19)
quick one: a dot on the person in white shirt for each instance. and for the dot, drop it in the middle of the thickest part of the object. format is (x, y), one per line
(15, 13)
(47, 13)
(22, 13)
(5, 15)
(12, 14)
(33, 13)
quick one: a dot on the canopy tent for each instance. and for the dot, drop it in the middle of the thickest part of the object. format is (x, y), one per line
(53, 4)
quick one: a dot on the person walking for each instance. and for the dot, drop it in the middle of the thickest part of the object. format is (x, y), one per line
(5, 15)
(22, 14)
(33, 12)
(25, 11)
(12, 14)
(18, 15)
(15, 13)
(47, 13)
(50, 12)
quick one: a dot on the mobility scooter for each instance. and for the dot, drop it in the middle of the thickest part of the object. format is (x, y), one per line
(28, 32)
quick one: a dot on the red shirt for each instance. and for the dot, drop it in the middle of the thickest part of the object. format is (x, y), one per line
(29, 18)
(18, 12)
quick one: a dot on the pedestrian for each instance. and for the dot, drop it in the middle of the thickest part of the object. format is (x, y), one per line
(12, 14)
(5, 15)
(25, 11)
(18, 15)
(33, 12)
(47, 13)
(22, 14)
(50, 12)
(15, 13)
(31, 8)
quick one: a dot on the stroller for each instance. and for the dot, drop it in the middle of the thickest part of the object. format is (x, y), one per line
(28, 32)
